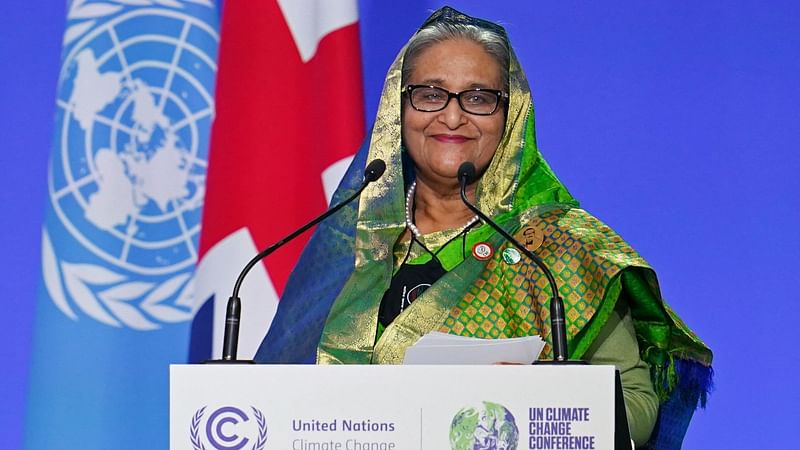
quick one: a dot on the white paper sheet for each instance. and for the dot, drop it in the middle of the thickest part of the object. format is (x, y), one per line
(443, 348)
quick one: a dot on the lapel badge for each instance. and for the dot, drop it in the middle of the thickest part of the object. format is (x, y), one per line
(532, 238)
(511, 256)
(482, 251)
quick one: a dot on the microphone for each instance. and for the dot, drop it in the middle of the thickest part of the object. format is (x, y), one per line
(466, 175)
(372, 172)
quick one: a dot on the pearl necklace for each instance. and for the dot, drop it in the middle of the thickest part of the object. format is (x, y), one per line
(410, 223)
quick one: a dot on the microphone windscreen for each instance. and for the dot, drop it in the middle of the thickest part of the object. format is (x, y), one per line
(374, 170)
(466, 172)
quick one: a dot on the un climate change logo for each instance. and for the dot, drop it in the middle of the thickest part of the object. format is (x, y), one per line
(127, 176)
(490, 426)
(228, 428)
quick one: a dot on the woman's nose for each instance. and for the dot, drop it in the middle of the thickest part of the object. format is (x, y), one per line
(452, 115)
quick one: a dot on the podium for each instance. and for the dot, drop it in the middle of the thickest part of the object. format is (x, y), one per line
(359, 407)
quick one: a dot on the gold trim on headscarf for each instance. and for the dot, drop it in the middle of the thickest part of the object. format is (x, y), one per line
(350, 330)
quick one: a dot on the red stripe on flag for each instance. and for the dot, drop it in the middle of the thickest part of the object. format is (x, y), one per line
(279, 123)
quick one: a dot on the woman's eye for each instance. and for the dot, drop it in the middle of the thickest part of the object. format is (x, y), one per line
(476, 99)
(433, 96)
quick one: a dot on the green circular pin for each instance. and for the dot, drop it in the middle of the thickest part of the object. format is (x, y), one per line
(511, 256)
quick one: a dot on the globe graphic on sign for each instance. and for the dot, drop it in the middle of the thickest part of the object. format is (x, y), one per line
(490, 426)
(134, 113)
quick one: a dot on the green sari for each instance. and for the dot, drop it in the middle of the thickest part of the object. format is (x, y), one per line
(491, 299)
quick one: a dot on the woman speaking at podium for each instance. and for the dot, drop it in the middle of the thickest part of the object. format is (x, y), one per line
(409, 257)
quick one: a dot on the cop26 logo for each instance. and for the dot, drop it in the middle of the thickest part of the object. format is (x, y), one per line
(228, 428)
(127, 175)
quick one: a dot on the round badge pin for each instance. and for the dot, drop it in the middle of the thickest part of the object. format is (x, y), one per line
(482, 251)
(511, 256)
(531, 237)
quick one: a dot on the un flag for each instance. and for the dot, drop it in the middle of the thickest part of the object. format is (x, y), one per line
(126, 188)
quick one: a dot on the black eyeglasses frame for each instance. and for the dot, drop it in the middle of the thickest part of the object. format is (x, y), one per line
(407, 90)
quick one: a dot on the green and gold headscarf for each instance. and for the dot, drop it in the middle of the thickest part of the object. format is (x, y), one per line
(516, 180)
(329, 309)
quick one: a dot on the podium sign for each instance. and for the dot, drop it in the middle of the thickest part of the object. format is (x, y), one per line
(301, 407)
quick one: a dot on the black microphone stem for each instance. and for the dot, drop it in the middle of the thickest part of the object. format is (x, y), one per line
(557, 323)
(267, 251)
(233, 311)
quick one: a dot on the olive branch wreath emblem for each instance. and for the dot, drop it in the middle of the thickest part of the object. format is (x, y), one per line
(103, 294)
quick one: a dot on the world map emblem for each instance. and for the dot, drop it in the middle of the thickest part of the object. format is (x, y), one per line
(127, 176)
(487, 426)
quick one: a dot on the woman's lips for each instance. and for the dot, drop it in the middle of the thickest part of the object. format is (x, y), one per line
(450, 138)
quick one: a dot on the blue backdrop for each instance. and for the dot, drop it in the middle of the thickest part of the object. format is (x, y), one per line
(674, 122)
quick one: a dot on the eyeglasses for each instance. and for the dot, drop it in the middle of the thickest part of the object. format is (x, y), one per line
(481, 102)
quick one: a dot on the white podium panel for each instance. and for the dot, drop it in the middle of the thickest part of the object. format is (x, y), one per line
(299, 407)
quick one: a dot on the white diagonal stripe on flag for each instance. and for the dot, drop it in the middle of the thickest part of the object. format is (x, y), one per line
(311, 20)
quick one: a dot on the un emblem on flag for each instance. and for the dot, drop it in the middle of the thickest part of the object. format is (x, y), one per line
(127, 175)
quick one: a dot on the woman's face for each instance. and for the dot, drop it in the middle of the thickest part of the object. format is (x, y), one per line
(440, 141)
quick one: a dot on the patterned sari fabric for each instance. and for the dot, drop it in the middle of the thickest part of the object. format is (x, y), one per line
(329, 310)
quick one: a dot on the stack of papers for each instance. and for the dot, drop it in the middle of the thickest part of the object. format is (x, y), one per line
(443, 348)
